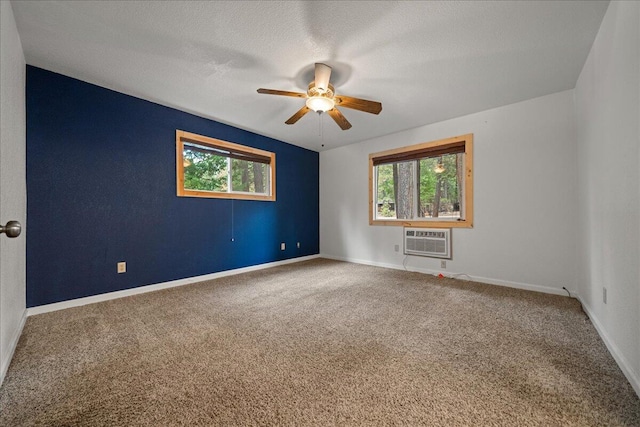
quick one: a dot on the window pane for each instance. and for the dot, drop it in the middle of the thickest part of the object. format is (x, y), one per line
(204, 169)
(386, 205)
(392, 178)
(439, 191)
(249, 177)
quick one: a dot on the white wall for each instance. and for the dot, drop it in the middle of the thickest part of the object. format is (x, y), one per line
(525, 201)
(607, 100)
(12, 185)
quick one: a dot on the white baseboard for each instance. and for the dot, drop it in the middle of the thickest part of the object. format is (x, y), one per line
(6, 361)
(462, 276)
(622, 362)
(32, 311)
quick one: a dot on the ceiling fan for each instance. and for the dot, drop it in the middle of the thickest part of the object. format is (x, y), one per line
(321, 97)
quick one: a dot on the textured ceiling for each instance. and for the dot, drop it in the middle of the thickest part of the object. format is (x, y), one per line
(425, 61)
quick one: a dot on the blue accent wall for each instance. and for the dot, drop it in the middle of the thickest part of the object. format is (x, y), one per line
(101, 188)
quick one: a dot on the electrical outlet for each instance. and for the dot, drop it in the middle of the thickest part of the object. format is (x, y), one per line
(396, 248)
(282, 246)
(604, 295)
(443, 264)
(298, 244)
(122, 267)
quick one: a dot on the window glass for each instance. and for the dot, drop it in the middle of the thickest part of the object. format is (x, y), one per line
(204, 168)
(438, 181)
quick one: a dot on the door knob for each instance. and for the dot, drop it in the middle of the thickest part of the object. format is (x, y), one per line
(12, 229)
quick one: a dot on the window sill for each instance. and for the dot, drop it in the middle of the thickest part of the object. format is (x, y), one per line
(452, 223)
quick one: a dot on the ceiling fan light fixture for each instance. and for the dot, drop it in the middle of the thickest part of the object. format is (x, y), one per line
(320, 103)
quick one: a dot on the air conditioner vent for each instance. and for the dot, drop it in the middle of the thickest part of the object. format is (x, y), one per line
(429, 242)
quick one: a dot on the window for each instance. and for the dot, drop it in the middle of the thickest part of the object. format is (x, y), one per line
(208, 167)
(423, 185)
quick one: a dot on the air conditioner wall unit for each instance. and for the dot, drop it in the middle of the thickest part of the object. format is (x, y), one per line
(428, 242)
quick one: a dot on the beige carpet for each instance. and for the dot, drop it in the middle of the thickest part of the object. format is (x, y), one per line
(319, 342)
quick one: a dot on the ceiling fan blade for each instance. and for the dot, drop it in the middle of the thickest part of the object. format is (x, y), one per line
(372, 107)
(323, 73)
(282, 92)
(341, 120)
(301, 112)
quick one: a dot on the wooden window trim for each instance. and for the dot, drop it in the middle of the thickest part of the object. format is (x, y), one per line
(233, 150)
(459, 144)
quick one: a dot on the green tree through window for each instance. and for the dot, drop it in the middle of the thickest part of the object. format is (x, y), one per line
(204, 170)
